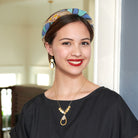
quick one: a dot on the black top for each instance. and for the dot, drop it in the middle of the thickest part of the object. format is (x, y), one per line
(101, 114)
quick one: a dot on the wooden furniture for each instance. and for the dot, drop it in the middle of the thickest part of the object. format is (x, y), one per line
(21, 95)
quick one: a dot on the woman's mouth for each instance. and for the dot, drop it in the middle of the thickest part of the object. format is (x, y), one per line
(75, 62)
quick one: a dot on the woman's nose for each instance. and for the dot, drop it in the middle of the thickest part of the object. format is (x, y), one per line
(76, 51)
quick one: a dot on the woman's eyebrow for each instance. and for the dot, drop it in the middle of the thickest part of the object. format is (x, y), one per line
(72, 39)
(65, 39)
(85, 39)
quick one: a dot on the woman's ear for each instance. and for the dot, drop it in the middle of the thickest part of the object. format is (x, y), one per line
(49, 48)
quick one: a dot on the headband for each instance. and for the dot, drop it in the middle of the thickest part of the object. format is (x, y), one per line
(61, 13)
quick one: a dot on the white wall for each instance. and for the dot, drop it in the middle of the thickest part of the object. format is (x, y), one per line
(37, 54)
(12, 51)
(91, 11)
(105, 42)
(20, 48)
(12, 45)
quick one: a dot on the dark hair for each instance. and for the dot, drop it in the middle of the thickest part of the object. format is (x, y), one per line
(62, 21)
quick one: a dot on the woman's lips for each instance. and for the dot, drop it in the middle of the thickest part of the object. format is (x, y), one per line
(75, 62)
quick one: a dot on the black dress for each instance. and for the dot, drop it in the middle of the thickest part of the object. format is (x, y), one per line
(101, 114)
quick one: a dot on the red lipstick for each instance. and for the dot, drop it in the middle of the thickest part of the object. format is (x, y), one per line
(75, 62)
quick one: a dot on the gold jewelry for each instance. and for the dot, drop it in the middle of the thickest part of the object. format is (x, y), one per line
(63, 120)
(52, 64)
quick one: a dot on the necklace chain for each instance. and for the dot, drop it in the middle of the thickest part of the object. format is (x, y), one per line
(63, 120)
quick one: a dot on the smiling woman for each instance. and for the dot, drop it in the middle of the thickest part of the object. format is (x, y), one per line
(73, 107)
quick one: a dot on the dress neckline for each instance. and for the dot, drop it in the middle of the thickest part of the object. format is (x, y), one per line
(79, 99)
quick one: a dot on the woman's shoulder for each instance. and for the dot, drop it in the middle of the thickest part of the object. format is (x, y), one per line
(102, 92)
(107, 96)
(33, 103)
(111, 99)
(105, 92)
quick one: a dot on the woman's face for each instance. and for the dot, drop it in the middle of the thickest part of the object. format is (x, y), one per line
(71, 48)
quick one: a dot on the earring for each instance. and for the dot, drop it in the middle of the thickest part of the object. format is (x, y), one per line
(52, 64)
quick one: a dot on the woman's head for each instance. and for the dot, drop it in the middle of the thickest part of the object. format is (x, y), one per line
(61, 18)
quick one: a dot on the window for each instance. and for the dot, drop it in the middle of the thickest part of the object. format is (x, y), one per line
(6, 96)
(7, 79)
(43, 79)
(6, 101)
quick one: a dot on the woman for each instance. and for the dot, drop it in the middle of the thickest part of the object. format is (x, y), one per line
(73, 107)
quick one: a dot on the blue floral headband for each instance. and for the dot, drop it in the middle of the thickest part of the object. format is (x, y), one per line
(61, 13)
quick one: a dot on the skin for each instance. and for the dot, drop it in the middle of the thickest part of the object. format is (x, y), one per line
(71, 42)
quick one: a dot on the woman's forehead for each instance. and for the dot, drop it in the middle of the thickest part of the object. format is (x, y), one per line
(75, 30)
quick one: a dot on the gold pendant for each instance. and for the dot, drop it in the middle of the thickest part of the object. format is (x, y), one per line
(63, 120)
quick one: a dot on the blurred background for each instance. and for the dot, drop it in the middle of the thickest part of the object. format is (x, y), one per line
(24, 60)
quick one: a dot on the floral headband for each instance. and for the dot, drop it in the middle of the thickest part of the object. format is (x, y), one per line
(61, 13)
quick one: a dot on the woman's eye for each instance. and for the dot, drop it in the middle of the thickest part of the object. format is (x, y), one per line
(66, 43)
(85, 43)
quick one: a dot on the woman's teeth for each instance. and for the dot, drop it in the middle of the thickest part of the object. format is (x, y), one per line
(75, 62)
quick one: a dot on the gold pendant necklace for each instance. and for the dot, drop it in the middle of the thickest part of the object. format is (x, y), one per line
(63, 120)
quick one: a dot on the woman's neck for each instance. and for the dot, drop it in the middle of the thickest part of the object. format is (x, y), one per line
(68, 85)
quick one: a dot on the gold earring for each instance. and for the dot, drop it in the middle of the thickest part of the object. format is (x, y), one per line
(52, 64)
